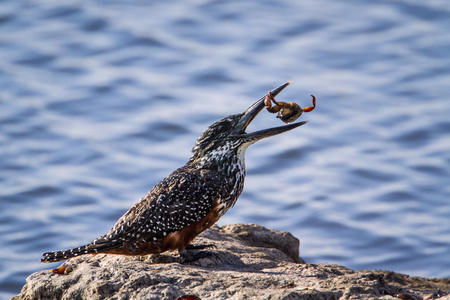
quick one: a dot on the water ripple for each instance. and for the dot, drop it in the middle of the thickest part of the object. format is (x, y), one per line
(101, 101)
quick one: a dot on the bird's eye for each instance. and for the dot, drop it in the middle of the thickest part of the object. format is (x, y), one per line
(223, 127)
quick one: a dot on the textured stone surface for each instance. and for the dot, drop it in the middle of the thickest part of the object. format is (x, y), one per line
(250, 262)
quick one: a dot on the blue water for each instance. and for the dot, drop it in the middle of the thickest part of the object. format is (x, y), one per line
(100, 100)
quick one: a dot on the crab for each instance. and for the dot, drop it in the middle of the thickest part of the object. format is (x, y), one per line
(287, 112)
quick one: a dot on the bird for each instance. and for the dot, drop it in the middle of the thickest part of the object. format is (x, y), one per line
(189, 200)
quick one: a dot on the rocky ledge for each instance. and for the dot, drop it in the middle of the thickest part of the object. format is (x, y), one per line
(248, 262)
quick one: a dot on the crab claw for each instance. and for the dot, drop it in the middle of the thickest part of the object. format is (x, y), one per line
(311, 108)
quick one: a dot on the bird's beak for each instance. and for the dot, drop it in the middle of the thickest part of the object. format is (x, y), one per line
(250, 113)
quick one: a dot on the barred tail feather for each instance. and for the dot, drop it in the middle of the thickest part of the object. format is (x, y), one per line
(65, 254)
(55, 256)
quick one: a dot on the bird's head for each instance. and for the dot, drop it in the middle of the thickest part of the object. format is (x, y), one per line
(227, 138)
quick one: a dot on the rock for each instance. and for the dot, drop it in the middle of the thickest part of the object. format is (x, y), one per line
(249, 262)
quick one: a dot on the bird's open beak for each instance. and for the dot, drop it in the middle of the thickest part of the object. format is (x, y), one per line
(250, 113)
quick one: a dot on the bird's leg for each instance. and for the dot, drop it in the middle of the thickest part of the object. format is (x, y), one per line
(193, 254)
(199, 246)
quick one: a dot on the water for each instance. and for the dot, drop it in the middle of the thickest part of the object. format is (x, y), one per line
(101, 100)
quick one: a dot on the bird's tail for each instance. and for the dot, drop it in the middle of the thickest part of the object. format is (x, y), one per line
(82, 250)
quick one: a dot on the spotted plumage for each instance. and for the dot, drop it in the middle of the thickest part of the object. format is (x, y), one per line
(189, 200)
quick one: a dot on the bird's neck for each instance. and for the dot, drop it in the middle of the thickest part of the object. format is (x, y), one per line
(229, 166)
(228, 163)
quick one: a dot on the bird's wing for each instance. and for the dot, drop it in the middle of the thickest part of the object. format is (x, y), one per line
(176, 202)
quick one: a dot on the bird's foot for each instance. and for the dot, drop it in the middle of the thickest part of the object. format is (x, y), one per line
(193, 255)
(199, 246)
